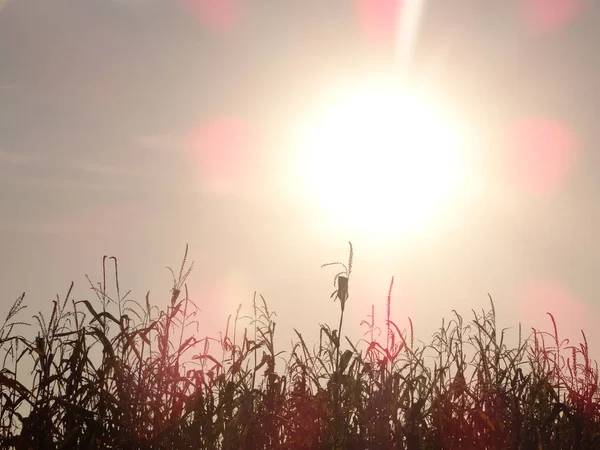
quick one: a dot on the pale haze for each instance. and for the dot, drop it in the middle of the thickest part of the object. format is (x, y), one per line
(130, 128)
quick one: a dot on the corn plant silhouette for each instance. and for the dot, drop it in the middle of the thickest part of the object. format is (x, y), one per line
(340, 281)
(472, 393)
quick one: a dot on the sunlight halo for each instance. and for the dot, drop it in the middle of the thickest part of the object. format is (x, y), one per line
(379, 161)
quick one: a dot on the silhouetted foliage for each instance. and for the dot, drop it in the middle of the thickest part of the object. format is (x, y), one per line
(148, 386)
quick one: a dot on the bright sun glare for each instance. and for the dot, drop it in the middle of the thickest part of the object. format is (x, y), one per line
(381, 162)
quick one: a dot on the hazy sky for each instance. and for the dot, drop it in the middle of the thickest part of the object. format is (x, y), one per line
(129, 128)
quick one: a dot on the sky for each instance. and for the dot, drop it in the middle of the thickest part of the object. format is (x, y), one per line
(129, 128)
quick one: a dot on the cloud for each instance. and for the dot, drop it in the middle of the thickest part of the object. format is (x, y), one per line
(14, 158)
(134, 3)
(62, 183)
(22, 159)
(97, 221)
(35, 171)
(117, 172)
(102, 169)
(142, 182)
(3, 3)
(160, 142)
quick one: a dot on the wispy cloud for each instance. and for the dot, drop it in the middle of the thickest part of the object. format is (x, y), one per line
(63, 183)
(22, 159)
(14, 158)
(130, 173)
(108, 221)
(160, 142)
(37, 171)
(109, 184)
(102, 169)
(132, 2)
(3, 3)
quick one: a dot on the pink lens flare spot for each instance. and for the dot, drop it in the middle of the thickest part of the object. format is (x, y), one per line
(547, 16)
(544, 152)
(221, 149)
(220, 298)
(210, 299)
(378, 19)
(571, 314)
(218, 15)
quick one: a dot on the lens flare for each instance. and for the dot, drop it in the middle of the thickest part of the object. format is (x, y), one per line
(544, 155)
(221, 149)
(218, 15)
(378, 19)
(547, 16)
(380, 162)
(220, 298)
(570, 313)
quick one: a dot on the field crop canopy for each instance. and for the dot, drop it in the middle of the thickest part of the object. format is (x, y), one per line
(380, 161)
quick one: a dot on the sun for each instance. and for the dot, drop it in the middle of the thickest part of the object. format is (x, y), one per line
(380, 161)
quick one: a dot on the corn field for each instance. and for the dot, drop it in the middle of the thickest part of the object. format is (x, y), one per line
(120, 374)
